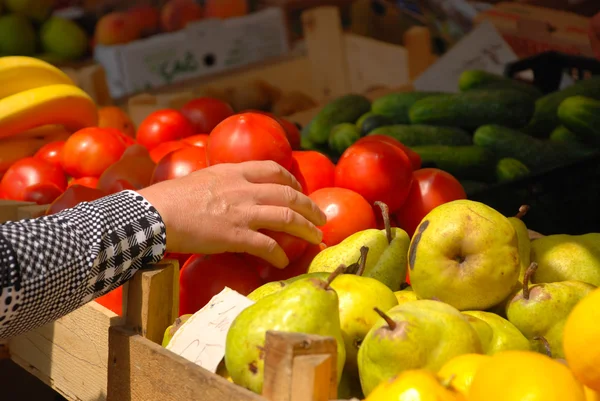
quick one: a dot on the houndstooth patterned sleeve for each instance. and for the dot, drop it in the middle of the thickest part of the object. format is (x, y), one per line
(52, 265)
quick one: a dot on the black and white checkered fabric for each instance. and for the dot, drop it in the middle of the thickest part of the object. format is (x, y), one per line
(52, 265)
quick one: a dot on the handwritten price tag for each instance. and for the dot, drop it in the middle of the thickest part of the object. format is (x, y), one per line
(201, 339)
(482, 49)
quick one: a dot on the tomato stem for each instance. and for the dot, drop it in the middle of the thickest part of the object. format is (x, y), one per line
(390, 322)
(385, 214)
(522, 211)
(528, 273)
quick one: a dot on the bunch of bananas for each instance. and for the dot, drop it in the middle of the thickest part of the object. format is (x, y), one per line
(38, 104)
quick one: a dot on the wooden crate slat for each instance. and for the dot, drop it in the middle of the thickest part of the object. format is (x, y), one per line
(71, 354)
(141, 370)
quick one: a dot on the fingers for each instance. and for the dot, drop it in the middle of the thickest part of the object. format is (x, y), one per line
(280, 195)
(262, 172)
(285, 220)
(265, 247)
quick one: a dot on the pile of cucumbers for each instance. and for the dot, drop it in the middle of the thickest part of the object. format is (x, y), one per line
(495, 129)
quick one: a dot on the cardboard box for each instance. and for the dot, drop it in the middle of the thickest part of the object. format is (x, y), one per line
(531, 30)
(202, 48)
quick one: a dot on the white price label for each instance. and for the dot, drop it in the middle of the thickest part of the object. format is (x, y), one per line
(201, 339)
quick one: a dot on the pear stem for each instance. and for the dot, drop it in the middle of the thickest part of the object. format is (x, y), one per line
(545, 343)
(385, 214)
(528, 273)
(522, 211)
(340, 270)
(362, 261)
(448, 381)
(390, 322)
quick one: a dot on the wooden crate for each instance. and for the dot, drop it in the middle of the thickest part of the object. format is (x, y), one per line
(334, 63)
(90, 77)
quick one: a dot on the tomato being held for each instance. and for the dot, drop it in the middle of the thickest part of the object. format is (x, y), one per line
(51, 152)
(249, 136)
(28, 172)
(90, 151)
(204, 276)
(414, 157)
(431, 187)
(179, 163)
(377, 170)
(313, 170)
(270, 273)
(134, 168)
(162, 126)
(166, 147)
(205, 113)
(291, 130)
(347, 213)
(200, 140)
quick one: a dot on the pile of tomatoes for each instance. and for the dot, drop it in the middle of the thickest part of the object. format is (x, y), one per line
(168, 144)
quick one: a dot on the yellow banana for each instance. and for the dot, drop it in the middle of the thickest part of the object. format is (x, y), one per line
(20, 73)
(45, 131)
(54, 104)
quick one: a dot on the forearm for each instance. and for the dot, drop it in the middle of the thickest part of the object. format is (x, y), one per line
(52, 265)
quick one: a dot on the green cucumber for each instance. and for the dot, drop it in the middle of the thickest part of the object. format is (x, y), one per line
(420, 135)
(344, 109)
(463, 162)
(472, 109)
(581, 115)
(342, 136)
(509, 169)
(395, 106)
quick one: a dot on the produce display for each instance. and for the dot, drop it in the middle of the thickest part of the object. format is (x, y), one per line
(144, 20)
(28, 28)
(494, 130)
(427, 293)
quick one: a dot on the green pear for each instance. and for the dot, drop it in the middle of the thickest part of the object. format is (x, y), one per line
(406, 294)
(17, 36)
(358, 296)
(386, 261)
(266, 289)
(464, 253)
(562, 257)
(64, 38)
(496, 333)
(422, 334)
(524, 244)
(307, 306)
(37, 10)
(172, 329)
(541, 310)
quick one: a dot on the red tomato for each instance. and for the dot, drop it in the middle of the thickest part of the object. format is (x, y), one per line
(166, 147)
(293, 247)
(376, 170)
(431, 187)
(347, 213)
(292, 132)
(162, 126)
(90, 151)
(313, 170)
(42, 194)
(113, 300)
(27, 172)
(120, 185)
(90, 182)
(249, 136)
(179, 163)
(200, 140)
(415, 159)
(51, 152)
(205, 113)
(74, 195)
(204, 276)
(270, 273)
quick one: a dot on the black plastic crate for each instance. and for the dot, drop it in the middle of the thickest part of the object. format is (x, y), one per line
(563, 200)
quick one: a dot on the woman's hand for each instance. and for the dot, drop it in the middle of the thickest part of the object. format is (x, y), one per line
(221, 208)
(595, 34)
